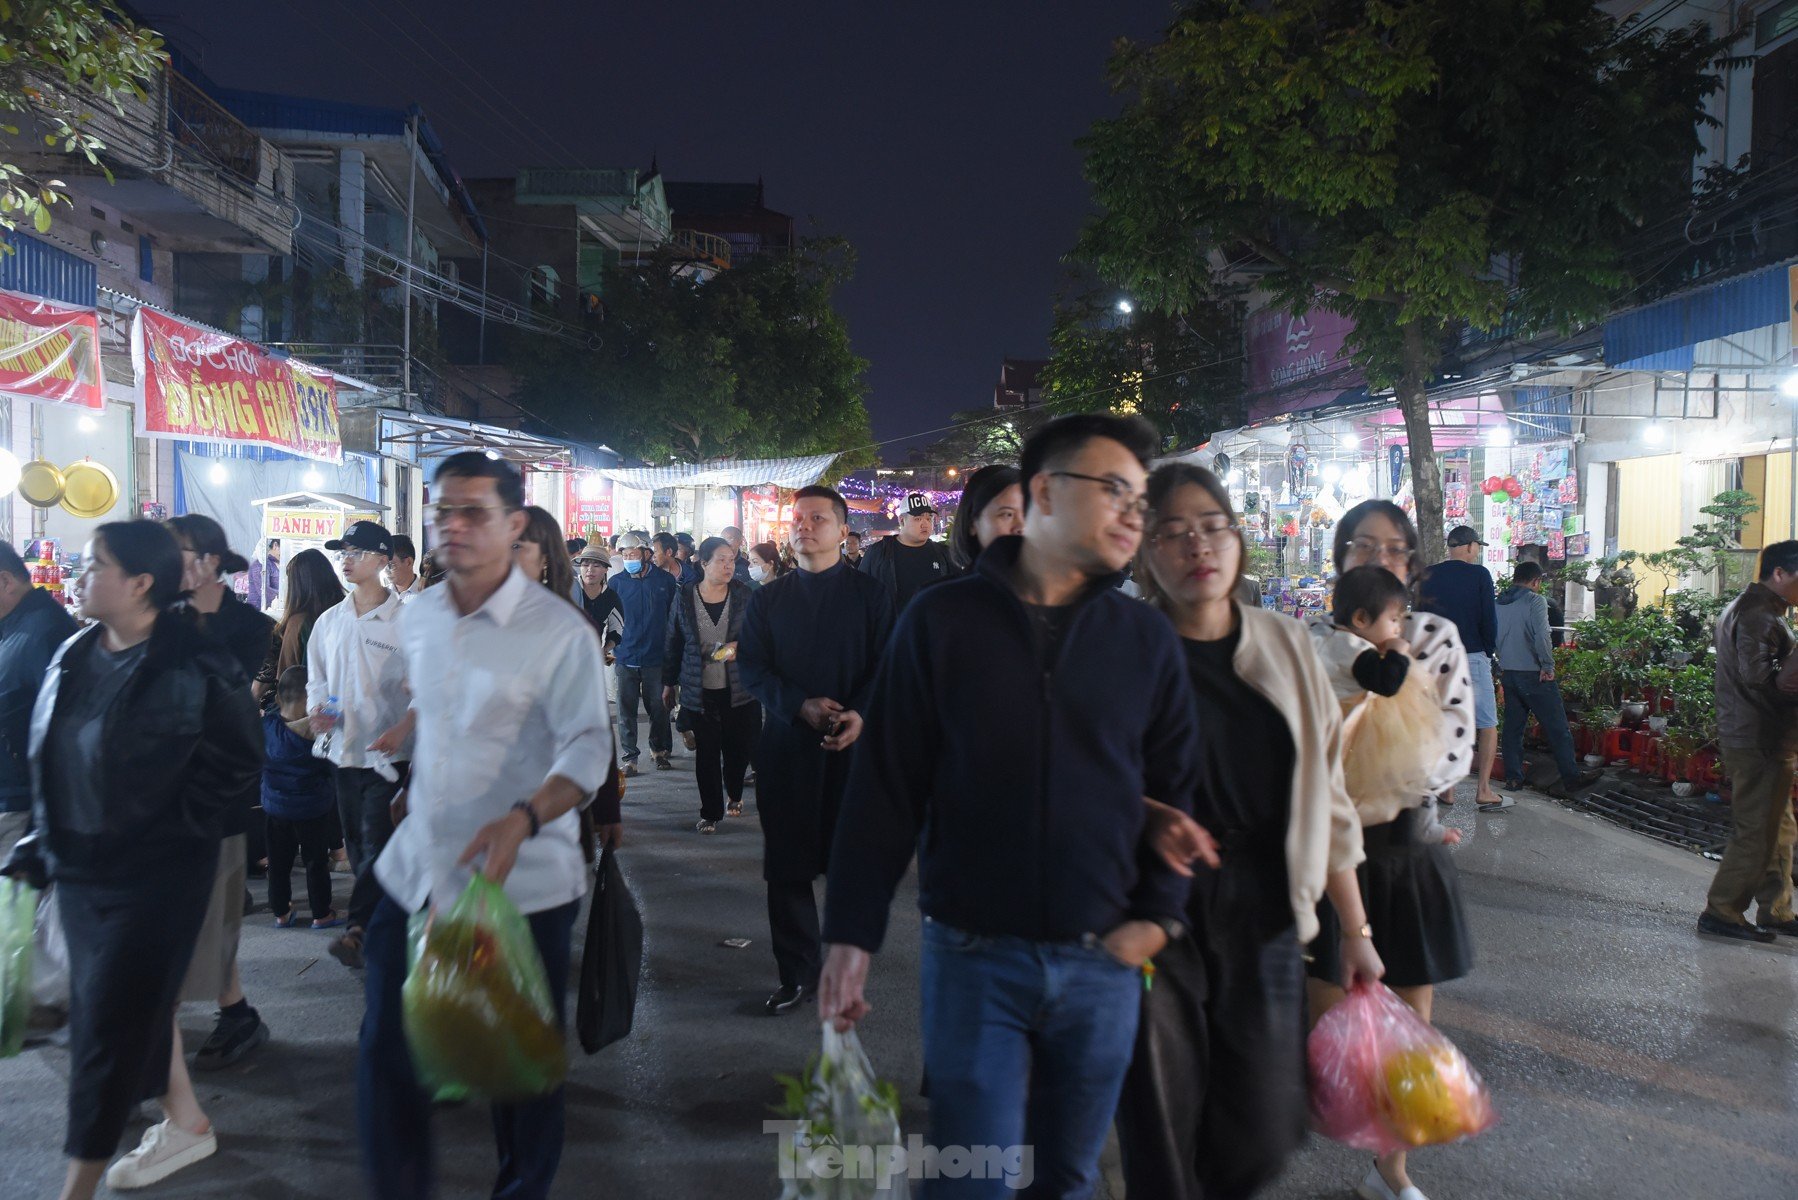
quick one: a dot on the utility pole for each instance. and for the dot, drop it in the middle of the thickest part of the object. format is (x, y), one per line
(481, 343)
(411, 198)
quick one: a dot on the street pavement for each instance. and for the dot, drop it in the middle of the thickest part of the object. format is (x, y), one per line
(1629, 1058)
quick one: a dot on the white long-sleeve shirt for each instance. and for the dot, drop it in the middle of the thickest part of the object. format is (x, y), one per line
(357, 659)
(506, 696)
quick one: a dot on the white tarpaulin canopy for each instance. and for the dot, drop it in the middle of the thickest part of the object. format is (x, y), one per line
(735, 472)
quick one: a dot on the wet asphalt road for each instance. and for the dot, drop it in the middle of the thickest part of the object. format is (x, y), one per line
(1630, 1059)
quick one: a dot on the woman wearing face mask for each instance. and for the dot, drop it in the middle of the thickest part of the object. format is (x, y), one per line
(1215, 1098)
(765, 564)
(1411, 889)
(992, 506)
(143, 735)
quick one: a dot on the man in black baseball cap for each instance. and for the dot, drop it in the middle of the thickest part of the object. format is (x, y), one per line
(364, 535)
(356, 693)
(1461, 589)
(910, 562)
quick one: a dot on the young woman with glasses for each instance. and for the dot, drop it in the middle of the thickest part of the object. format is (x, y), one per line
(1411, 889)
(1215, 1099)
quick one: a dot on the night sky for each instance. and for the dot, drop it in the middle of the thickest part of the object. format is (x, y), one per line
(936, 137)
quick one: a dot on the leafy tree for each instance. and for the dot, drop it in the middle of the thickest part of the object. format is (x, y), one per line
(982, 436)
(57, 59)
(753, 363)
(1181, 371)
(1415, 165)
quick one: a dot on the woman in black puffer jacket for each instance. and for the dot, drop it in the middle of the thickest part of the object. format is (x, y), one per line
(701, 657)
(144, 732)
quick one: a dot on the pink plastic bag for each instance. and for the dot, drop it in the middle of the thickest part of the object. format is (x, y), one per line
(1384, 1080)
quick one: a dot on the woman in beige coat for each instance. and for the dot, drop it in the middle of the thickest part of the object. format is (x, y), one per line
(1215, 1099)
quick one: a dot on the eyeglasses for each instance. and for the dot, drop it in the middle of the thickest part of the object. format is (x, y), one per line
(346, 557)
(1123, 500)
(1216, 530)
(1374, 551)
(474, 514)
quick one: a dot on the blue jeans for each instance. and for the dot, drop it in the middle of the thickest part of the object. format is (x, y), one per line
(1025, 1045)
(393, 1114)
(643, 683)
(1526, 693)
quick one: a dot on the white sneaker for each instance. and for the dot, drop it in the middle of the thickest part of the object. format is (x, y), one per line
(166, 1148)
(1374, 1187)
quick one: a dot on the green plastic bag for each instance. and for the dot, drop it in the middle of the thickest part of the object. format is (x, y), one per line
(477, 1006)
(18, 916)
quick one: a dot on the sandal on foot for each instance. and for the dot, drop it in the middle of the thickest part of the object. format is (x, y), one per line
(285, 920)
(330, 920)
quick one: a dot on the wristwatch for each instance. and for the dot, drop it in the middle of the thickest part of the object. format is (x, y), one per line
(1366, 931)
(1174, 929)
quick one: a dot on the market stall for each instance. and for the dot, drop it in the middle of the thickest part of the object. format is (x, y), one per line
(307, 520)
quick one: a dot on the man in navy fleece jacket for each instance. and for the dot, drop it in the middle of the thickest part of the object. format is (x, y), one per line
(1020, 716)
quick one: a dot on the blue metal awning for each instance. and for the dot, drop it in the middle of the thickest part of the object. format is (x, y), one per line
(36, 268)
(1662, 336)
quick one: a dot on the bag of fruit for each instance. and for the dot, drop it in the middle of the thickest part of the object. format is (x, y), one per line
(477, 1007)
(1383, 1079)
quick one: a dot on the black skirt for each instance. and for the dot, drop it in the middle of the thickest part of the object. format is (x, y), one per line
(129, 945)
(1413, 896)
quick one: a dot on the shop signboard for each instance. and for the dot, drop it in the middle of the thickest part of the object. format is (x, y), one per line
(589, 505)
(309, 524)
(50, 352)
(204, 386)
(1286, 352)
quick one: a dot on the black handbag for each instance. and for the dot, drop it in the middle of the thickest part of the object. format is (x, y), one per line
(611, 959)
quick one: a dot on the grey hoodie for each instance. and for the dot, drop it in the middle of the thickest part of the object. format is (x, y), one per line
(1523, 643)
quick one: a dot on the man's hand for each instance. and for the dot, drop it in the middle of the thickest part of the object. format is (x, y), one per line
(1360, 961)
(669, 695)
(610, 657)
(322, 721)
(609, 837)
(1547, 676)
(1179, 839)
(389, 743)
(819, 712)
(1135, 942)
(499, 840)
(396, 807)
(849, 727)
(1451, 837)
(845, 974)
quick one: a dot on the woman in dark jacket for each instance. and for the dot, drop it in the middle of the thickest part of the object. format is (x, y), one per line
(143, 733)
(701, 656)
(311, 586)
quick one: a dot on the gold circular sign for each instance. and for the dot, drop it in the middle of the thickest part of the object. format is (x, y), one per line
(89, 489)
(41, 483)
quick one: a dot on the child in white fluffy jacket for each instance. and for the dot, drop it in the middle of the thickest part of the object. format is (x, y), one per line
(1392, 734)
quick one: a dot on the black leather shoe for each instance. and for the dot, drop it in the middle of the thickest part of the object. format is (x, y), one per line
(1789, 928)
(786, 999)
(1741, 931)
(1512, 785)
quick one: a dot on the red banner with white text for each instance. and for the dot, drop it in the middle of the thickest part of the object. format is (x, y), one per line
(49, 351)
(206, 386)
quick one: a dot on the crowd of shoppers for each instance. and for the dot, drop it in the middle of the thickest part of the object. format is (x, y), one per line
(1123, 838)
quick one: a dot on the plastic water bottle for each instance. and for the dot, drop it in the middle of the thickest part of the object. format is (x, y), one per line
(332, 708)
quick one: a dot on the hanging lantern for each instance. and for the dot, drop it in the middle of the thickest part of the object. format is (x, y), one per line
(1491, 484)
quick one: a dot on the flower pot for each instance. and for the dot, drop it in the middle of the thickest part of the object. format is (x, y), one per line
(1683, 788)
(1618, 744)
(1657, 725)
(1593, 760)
(1634, 713)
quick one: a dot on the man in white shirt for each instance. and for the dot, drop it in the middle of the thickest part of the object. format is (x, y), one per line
(513, 736)
(402, 572)
(356, 689)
